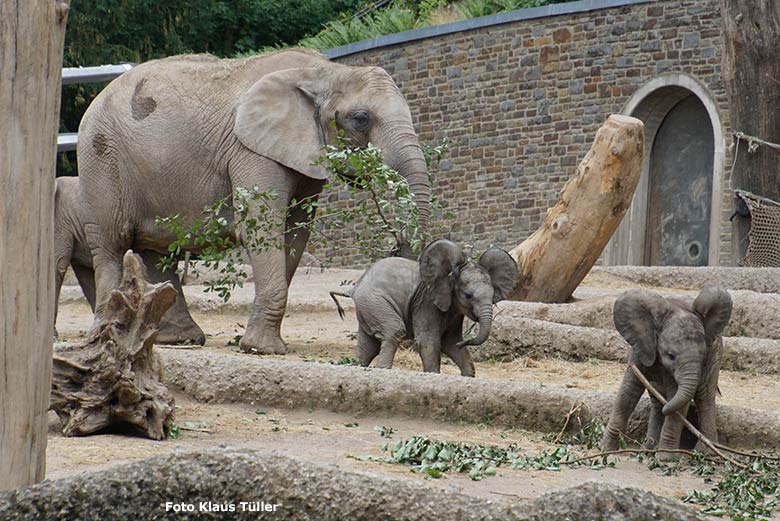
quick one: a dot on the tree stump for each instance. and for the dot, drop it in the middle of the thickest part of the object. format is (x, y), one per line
(114, 378)
(553, 261)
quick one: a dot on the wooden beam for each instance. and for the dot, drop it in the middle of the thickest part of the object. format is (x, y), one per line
(31, 42)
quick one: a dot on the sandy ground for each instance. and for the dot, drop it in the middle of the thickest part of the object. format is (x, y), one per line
(324, 437)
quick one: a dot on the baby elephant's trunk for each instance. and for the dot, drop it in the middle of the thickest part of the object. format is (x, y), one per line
(485, 323)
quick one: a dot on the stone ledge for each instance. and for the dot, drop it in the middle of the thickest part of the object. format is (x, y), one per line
(303, 491)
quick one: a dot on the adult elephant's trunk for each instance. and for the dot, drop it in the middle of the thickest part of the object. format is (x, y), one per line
(402, 152)
(687, 378)
(485, 324)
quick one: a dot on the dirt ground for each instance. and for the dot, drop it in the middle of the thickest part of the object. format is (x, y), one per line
(331, 439)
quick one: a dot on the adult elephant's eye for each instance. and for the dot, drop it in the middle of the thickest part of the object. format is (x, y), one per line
(671, 356)
(360, 120)
(468, 295)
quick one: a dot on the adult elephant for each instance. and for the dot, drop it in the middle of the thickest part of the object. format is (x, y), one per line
(175, 135)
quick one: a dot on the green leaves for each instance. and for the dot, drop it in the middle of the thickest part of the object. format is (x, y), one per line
(435, 457)
(751, 493)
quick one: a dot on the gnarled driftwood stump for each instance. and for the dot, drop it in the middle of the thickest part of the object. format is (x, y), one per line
(114, 378)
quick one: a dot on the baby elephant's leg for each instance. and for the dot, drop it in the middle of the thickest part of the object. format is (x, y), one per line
(654, 424)
(461, 357)
(670, 434)
(367, 348)
(388, 348)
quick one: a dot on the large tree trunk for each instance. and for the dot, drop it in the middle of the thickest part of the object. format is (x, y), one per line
(553, 261)
(751, 72)
(31, 41)
(113, 380)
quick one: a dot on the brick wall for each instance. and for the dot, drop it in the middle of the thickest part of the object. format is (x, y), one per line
(522, 101)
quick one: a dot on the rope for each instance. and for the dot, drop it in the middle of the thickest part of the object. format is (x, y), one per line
(753, 142)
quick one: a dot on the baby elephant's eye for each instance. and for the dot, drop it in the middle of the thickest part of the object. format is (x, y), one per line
(670, 355)
(468, 295)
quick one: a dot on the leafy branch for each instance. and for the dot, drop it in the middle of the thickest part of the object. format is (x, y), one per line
(381, 213)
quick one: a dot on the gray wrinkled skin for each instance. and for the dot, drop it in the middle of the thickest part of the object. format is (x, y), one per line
(305, 492)
(677, 346)
(398, 299)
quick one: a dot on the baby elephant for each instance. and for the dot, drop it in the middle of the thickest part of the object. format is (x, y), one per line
(677, 346)
(426, 301)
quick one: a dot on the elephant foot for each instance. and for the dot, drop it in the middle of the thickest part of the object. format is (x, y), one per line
(262, 343)
(667, 456)
(175, 334)
(608, 444)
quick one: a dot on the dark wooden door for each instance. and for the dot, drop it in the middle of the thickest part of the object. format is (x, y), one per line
(680, 195)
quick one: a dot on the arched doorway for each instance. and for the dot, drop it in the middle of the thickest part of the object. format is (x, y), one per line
(674, 216)
(680, 188)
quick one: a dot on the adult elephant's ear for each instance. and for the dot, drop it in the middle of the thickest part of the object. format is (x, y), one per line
(437, 262)
(278, 117)
(713, 305)
(636, 313)
(502, 269)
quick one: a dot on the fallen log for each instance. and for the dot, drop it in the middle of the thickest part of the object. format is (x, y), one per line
(553, 261)
(114, 378)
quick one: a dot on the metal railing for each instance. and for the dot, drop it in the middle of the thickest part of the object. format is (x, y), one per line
(71, 75)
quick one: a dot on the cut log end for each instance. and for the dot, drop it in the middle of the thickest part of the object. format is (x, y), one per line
(113, 380)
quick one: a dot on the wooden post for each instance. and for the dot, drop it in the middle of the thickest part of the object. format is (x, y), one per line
(31, 42)
(553, 261)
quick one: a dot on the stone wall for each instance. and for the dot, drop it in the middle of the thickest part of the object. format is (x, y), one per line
(522, 96)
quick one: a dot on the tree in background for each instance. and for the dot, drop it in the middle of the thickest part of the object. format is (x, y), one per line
(751, 73)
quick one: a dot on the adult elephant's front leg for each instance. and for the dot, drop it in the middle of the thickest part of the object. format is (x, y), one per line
(269, 262)
(263, 332)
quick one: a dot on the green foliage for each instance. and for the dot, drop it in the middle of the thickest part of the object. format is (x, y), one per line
(401, 16)
(382, 209)
(752, 493)
(435, 457)
(740, 494)
(212, 235)
(346, 30)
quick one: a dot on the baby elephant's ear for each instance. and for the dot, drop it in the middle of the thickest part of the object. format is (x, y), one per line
(713, 305)
(636, 313)
(437, 261)
(503, 272)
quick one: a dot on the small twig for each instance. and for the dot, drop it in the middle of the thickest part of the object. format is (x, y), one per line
(628, 451)
(196, 429)
(685, 421)
(574, 408)
(746, 454)
(505, 494)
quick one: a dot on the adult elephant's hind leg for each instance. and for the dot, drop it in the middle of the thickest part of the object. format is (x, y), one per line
(177, 325)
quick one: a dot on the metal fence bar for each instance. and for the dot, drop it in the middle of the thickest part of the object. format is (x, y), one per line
(101, 73)
(71, 75)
